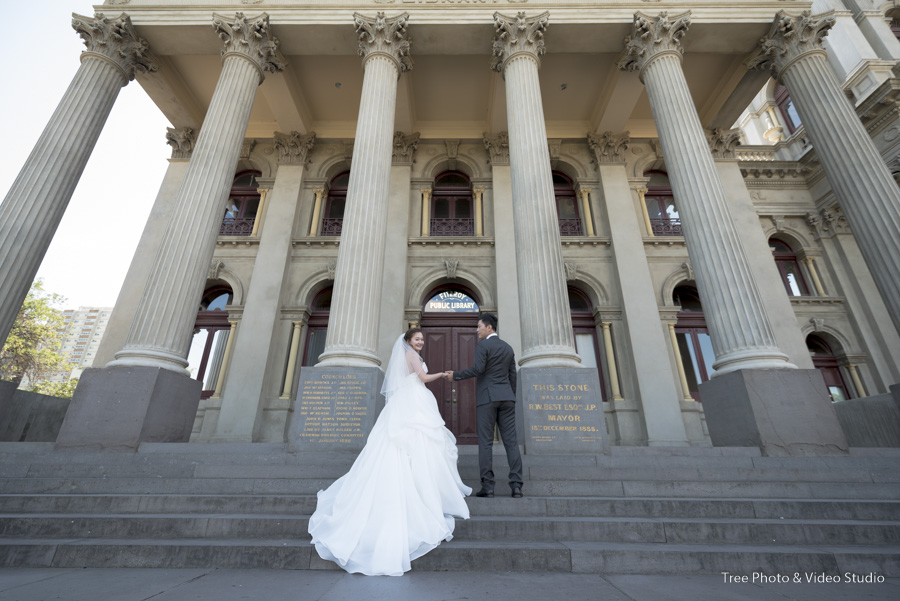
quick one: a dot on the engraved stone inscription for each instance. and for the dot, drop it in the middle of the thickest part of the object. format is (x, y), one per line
(333, 409)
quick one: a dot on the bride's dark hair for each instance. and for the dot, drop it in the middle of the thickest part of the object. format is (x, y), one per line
(410, 333)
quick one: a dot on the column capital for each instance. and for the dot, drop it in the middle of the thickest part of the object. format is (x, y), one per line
(405, 146)
(723, 142)
(292, 148)
(609, 147)
(251, 39)
(384, 36)
(115, 41)
(518, 35)
(498, 146)
(182, 141)
(653, 37)
(790, 38)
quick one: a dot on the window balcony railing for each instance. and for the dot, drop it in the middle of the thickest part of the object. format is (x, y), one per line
(666, 227)
(570, 227)
(331, 226)
(452, 227)
(236, 227)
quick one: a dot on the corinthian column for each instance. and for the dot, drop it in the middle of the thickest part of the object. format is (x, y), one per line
(34, 206)
(547, 339)
(160, 335)
(352, 337)
(739, 327)
(864, 188)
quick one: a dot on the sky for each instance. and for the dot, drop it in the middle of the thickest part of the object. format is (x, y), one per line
(90, 254)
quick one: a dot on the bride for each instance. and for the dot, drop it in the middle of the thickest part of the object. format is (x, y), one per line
(398, 500)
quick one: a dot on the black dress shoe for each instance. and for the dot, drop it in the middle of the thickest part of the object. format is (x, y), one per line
(485, 492)
(517, 492)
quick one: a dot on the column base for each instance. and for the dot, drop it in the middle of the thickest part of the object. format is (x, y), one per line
(751, 359)
(150, 358)
(348, 358)
(782, 411)
(121, 407)
(559, 357)
(562, 410)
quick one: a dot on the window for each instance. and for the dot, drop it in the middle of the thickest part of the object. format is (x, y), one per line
(452, 207)
(566, 205)
(317, 328)
(694, 344)
(660, 203)
(825, 361)
(788, 267)
(333, 216)
(243, 203)
(787, 108)
(585, 330)
(211, 331)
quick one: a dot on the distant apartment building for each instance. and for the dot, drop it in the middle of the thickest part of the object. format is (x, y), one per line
(84, 329)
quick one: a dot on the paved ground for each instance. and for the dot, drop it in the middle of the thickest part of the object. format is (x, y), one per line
(131, 584)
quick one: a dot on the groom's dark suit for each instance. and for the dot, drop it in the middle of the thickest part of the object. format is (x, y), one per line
(495, 383)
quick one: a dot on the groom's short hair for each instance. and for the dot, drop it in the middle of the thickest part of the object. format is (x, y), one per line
(489, 319)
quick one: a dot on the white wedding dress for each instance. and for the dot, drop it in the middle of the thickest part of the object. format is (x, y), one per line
(398, 500)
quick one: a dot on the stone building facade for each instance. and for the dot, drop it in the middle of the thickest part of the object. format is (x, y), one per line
(662, 191)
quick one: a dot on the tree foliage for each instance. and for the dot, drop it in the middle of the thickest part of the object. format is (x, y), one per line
(63, 390)
(32, 347)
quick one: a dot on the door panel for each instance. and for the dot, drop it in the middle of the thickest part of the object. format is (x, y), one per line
(452, 347)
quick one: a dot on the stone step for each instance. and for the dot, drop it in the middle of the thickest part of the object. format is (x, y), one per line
(460, 555)
(529, 506)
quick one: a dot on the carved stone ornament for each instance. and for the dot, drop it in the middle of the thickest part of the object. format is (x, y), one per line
(689, 269)
(116, 41)
(555, 148)
(384, 36)
(498, 146)
(292, 148)
(516, 35)
(609, 147)
(348, 149)
(818, 324)
(405, 146)
(571, 271)
(250, 38)
(451, 266)
(789, 38)
(182, 141)
(778, 222)
(330, 268)
(723, 142)
(827, 222)
(653, 37)
(452, 148)
(215, 269)
(247, 147)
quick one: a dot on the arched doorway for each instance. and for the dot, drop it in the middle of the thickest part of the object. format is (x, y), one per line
(449, 319)
(585, 330)
(211, 331)
(694, 343)
(317, 328)
(824, 360)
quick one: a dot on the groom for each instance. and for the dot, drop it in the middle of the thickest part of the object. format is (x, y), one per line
(495, 376)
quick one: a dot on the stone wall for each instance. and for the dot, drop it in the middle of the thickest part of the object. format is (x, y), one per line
(871, 421)
(30, 417)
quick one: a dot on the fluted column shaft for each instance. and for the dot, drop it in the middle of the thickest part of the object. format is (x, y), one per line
(741, 334)
(546, 321)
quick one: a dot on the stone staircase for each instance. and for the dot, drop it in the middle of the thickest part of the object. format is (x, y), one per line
(636, 511)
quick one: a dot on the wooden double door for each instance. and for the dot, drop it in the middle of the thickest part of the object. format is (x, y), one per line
(450, 345)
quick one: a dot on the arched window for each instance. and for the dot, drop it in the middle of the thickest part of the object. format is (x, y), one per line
(660, 203)
(452, 207)
(333, 215)
(585, 329)
(566, 205)
(243, 204)
(317, 328)
(211, 332)
(787, 108)
(825, 361)
(694, 344)
(788, 267)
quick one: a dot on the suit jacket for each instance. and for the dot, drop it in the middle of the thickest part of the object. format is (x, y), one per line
(494, 371)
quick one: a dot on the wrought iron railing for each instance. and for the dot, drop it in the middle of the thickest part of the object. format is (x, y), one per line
(236, 227)
(331, 226)
(570, 227)
(452, 227)
(666, 227)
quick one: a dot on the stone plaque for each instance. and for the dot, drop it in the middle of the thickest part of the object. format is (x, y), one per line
(335, 408)
(563, 410)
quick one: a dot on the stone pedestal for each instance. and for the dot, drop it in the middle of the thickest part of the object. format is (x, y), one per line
(563, 410)
(895, 392)
(121, 407)
(771, 409)
(335, 409)
(7, 390)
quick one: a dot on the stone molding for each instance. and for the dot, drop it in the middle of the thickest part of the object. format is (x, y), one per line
(405, 146)
(115, 41)
(790, 38)
(653, 37)
(827, 222)
(609, 147)
(182, 141)
(250, 39)
(293, 148)
(498, 147)
(384, 36)
(518, 35)
(723, 142)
